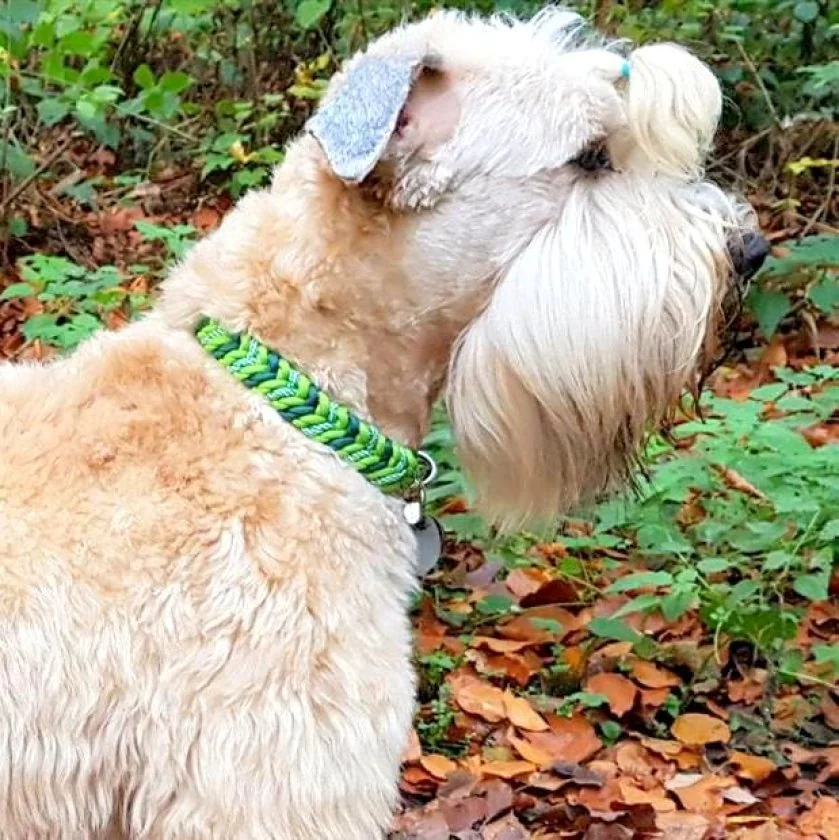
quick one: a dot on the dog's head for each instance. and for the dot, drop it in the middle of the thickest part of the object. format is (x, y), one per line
(555, 192)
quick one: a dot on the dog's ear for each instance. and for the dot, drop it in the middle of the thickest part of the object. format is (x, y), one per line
(382, 99)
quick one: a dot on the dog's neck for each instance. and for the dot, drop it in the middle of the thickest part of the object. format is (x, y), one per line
(334, 282)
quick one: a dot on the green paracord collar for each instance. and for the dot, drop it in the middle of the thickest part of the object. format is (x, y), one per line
(388, 465)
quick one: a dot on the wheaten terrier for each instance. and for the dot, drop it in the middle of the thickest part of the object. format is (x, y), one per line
(206, 559)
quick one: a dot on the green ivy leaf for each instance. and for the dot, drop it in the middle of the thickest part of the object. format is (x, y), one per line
(17, 290)
(310, 12)
(825, 294)
(174, 82)
(613, 628)
(144, 77)
(813, 586)
(769, 308)
(639, 580)
(52, 111)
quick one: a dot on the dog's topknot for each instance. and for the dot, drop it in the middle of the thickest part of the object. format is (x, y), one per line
(673, 107)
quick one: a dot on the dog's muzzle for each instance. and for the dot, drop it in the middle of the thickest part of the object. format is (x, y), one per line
(748, 254)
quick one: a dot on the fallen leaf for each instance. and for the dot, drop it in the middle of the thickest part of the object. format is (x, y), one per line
(522, 582)
(739, 796)
(438, 765)
(507, 769)
(668, 749)
(830, 710)
(695, 730)
(632, 794)
(735, 481)
(530, 752)
(478, 697)
(682, 826)
(508, 828)
(521, 714)
(752, 767)
(654, 697)
(551, 592)
(413, 749)
(652, 676)
(569, 739)
(703, 796)
(823, 819)
(499, 645)
(618, 690)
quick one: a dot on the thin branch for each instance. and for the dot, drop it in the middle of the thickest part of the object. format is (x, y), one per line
(24, 184)
(750, 64)
(831, 188)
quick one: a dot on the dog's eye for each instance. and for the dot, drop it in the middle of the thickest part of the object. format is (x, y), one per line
(593, 159)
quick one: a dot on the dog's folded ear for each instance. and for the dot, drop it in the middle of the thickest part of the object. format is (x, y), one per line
(354, 126)
(381, 98)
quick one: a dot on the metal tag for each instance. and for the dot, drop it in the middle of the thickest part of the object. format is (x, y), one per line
(429, 536)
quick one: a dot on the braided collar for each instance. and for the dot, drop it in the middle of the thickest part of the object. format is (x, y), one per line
(384, 462)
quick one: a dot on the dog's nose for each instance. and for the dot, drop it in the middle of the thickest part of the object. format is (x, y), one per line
(749, 255)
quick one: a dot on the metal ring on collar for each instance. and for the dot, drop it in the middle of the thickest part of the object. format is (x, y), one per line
(431, 465)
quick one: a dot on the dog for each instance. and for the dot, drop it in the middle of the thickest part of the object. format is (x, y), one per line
(205, 565)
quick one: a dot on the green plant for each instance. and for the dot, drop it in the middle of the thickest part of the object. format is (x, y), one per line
(74, 299)
(803, 281)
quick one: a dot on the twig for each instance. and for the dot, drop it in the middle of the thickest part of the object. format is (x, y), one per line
(831, 187)
(24, 184)
(750, 64)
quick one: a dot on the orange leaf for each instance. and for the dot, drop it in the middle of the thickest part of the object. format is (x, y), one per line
(822, 820)
(702, 796)
(654, 697)
(520, 713)
(619, 691)
(507, 769)
(438, 765)
(631, 794)
(668, 749)
(696, 730)
(499, 645)
(652, 676)
(522, 582)
(678, 825)
(413, 749)
(529, 752)
(752, 767)
(569, 739)
(478, 697)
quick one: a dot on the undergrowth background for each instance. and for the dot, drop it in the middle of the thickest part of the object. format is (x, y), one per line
(663, 665)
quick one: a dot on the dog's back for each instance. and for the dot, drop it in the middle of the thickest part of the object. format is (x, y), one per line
(179, 618)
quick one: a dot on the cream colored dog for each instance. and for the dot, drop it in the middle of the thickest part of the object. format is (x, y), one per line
(203, 612)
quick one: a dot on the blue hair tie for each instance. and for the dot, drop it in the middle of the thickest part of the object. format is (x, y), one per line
(625, 70)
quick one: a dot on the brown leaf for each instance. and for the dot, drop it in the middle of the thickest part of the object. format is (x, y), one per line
(522, 582)
(695, 730)
(462, 813)
(499, 645)
(735, 481)
(703, 796)
(830, 710)
(569, 739)
(652, 676)
(823, 819)
(508, 828)
(632, 794)
(438, 765)
(530, 752)
(521, 714)
(682, 826)
(507, 769)
(478, 697)
(413, 749)
(752, 767)
(618, 690)
(551, 592)
(652, 698)
(206, 218)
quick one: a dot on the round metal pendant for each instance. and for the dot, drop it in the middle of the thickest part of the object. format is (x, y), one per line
(429, 536)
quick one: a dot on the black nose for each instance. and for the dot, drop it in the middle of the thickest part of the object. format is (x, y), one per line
(749, 254)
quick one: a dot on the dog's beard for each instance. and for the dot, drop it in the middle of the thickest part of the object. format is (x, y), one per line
(590, 336)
